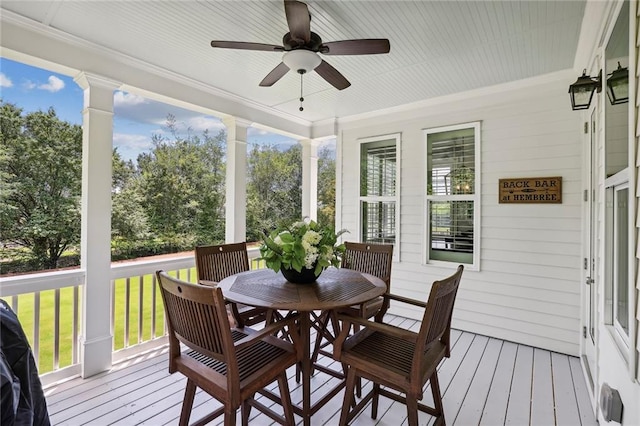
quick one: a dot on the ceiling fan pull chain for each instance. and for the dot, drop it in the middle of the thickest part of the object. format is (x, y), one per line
(301, 98)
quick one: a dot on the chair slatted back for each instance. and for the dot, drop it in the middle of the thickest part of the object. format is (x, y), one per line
(436, 323)
(197, 317)
(216, 262)
(374, 259)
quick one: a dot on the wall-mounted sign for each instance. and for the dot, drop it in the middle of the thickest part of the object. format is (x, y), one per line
(530, 190)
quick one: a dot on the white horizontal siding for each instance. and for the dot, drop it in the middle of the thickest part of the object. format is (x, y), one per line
(528, 287)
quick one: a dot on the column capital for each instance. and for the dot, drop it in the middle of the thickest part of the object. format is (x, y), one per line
(87, 80)
(231, 121)
(309, 142)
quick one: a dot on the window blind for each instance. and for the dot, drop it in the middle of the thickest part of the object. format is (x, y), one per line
(451, 164)
(379, 174)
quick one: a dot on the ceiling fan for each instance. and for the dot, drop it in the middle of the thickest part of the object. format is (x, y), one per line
(301, 47)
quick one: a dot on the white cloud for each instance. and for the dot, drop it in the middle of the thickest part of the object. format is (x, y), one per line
(131, 108)
(122, 99)
(5, 81)
(28, 85)
(54, 84)
(330, 143)
(253, 131)
(201, 123)
(131, 142)
(129, 146)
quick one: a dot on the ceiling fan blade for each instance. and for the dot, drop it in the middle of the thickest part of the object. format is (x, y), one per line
(332, 76)
(247, 46)
(298, 20)
(369, 46)
(276, 74)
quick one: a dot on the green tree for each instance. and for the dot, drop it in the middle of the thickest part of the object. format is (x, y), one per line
(274, 188)
(41, 163)
(182, 187)
(327, 186)
(128, 218)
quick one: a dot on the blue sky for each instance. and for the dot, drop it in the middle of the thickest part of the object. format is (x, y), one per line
(136, 118)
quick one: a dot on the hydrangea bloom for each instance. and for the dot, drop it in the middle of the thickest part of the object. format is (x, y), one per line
(303, 244)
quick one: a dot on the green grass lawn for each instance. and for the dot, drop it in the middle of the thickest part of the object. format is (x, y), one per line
(26, 304)
(47, 303)
(47, 316)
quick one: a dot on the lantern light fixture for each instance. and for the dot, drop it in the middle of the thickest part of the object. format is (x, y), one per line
(581, 92)
(618, 86)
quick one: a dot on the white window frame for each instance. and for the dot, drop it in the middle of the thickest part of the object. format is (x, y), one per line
(374, 199)
(613, 184)
(475, 197)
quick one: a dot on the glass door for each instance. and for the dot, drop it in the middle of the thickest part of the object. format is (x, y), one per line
(590, 290)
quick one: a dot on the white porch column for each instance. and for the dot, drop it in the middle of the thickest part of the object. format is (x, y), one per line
(96, 341)
(310, 178)
(236, 180)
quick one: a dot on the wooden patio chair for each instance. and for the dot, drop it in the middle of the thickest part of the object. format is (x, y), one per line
(374, 259)
(216, 262)
(398, 358)
(230, 364)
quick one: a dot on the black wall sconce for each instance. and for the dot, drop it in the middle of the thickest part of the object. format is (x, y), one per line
(581, 92)
(618, 86)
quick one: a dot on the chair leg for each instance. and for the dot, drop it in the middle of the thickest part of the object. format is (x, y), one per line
(187, 402)
(235, 315)
(245, 410)
(437, 398)
(285, 398)
(356, 328)
(348, 396)
(412, 410)
(271, 316)
(323, 323)
(374, 400)
(335, 324)
(229, 416)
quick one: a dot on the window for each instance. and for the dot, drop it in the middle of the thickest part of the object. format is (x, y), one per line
(379, 177)
(617, 222)
(452, 208)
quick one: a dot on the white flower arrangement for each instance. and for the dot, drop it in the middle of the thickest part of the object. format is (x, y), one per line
(304, 244)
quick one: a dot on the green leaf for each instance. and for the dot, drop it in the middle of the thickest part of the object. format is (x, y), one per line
(286, 237)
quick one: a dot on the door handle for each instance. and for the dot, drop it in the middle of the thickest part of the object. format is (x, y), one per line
(589, 280)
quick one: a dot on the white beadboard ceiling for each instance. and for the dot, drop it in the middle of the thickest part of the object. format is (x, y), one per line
(437, 47)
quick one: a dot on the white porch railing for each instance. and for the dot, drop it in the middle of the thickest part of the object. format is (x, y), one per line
(49, 306)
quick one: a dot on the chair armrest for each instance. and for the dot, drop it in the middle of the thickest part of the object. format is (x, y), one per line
(403, 299)
(369, 327)
(375, 326)
(254, 335)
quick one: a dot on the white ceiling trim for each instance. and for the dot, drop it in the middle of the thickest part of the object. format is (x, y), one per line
(439, 48)
(52, 33)
(509, 87)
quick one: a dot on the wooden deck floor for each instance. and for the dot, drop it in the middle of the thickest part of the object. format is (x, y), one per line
(486, 381)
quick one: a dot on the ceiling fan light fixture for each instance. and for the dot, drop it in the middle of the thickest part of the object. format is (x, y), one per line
(301, 59)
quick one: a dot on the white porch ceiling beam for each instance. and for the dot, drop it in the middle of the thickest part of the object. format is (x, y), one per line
(23, 39)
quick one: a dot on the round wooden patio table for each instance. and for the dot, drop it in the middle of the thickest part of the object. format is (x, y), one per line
(334, 288)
